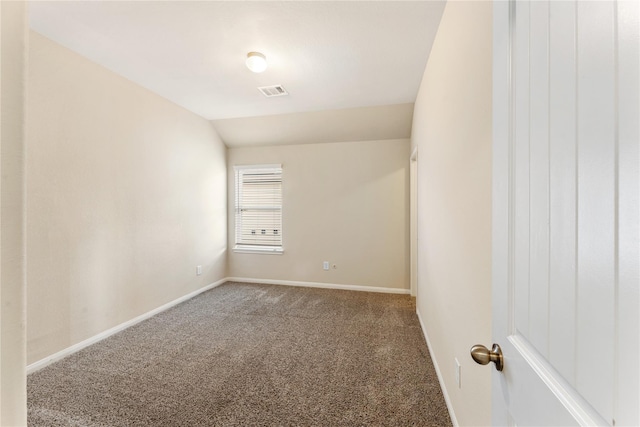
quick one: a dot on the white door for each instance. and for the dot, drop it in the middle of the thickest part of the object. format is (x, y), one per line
(566, 238)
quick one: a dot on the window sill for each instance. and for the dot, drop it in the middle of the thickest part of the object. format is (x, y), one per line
(266, 250)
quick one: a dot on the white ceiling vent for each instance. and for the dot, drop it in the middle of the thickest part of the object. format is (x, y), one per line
(271, 91)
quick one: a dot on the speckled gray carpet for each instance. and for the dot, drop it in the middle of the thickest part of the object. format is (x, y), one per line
(252, 355)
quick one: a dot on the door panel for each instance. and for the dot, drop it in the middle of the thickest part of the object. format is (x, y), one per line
(521, 114)
(596, 204)
(538, 183)
(628, 372)
(566, 212)
(562, 171)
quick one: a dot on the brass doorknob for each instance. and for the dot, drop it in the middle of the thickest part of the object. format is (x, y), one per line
(483, 356)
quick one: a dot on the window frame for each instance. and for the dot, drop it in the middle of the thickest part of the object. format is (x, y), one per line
(247, 247)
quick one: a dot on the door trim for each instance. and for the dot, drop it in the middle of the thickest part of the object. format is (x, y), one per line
(413, 222)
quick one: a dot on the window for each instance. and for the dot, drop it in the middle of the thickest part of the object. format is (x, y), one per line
(258, 208)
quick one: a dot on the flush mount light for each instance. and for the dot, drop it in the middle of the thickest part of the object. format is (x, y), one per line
(256, 62)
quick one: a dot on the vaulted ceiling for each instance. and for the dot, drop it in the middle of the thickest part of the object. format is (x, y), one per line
(352, 68)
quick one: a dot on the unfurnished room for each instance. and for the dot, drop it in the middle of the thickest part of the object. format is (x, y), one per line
(320, 213)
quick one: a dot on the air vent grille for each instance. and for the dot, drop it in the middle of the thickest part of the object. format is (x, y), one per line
(271, 91)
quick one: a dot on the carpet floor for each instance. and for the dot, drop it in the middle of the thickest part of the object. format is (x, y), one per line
(252, 355)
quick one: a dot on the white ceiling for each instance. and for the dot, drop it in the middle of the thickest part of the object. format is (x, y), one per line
(352, 124)
(336, 55)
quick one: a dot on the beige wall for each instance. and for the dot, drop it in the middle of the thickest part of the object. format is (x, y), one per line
(346, 203)
(452, 129)
(13, 33)
(126, 194)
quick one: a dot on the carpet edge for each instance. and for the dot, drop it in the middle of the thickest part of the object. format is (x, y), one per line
(42, 363)
(321, 285)
(445, 393)
(46, 361)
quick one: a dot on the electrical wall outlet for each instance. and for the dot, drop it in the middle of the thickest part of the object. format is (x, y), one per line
(198, 270)
(457, 372)
(325, 265)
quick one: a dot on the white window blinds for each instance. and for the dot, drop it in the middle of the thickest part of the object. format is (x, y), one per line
(258, 206)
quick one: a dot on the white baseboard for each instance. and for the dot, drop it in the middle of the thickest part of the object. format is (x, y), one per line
(99, 337)
(447, 400)
(321, 285)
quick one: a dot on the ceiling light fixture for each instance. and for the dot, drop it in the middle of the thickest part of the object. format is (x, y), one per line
(256, 62)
